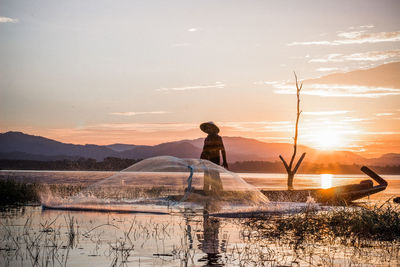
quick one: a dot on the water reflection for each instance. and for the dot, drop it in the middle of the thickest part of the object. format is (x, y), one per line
(326, 181)
(30, 237)
(209, 241)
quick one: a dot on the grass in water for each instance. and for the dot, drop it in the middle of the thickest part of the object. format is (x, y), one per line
(349, 224)
(13, 192)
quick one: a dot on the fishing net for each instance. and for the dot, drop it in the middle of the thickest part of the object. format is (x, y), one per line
(166, 184)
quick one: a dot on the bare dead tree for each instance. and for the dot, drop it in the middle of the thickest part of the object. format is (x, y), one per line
(289, 168)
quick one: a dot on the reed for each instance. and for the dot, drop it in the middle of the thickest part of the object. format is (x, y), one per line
(349, 224)
(271, 241)
(13, 192)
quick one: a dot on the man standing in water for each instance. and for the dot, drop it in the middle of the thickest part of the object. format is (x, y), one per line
(213, 145)
(211, 151)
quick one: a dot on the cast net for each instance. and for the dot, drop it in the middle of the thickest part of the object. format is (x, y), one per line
(166, 184)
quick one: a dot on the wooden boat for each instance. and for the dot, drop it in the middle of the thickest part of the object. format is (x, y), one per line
(333, 195)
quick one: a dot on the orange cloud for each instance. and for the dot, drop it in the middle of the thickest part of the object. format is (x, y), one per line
(367, 56)
(356, 37)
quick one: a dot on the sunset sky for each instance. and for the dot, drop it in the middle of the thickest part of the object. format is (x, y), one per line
(146, 72)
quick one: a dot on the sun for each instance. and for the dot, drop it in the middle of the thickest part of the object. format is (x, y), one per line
(326, 180)
(328, 140)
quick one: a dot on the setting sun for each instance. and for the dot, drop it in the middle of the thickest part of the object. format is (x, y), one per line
(326, 181)
(328, 140)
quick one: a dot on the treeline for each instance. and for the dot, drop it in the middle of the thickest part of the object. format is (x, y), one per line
(117, 164)
(82, 164)
(308, 168)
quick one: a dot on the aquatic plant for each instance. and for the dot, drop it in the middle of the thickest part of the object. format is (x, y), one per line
(60, 239)
(350, 224)
(13, 192)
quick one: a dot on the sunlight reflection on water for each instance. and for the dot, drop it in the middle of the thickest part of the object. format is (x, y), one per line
(326, 181)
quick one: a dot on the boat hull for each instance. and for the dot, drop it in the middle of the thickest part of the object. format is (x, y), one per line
(333, 195)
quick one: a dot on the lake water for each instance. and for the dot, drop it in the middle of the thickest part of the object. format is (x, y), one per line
(260, 180)
(30, 236)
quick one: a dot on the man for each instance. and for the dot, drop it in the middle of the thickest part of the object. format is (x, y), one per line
(213, 145)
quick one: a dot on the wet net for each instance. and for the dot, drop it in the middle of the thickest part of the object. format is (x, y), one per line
(166, 184)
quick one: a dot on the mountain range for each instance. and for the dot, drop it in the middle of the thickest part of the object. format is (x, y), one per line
(18, 145)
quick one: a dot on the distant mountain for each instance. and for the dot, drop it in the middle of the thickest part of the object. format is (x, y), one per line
(12, 142)
(386, 159)
(17, 145)
(28, 156)
(120, 147)
(176, 149)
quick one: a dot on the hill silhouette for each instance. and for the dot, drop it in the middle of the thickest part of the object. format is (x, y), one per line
(21, 146)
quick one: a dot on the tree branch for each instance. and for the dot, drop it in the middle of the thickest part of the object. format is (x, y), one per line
(298, 163)
(285, 164)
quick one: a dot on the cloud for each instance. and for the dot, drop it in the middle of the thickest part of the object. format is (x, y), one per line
(259, 126)
(324, 113)
(328, 58)
(350, 119)
(381, 133)
(8, 20)
(266, 82)
(193, 30)
(367, 56)
(336, 90)
(383, 114)
(356, 37)
(368, 26)
(241, 126)
(276, 139)
(144, 127)
(326, 69)
(132, 113)
(194, 87)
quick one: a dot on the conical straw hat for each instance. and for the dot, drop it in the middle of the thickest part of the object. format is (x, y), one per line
(209, 127)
